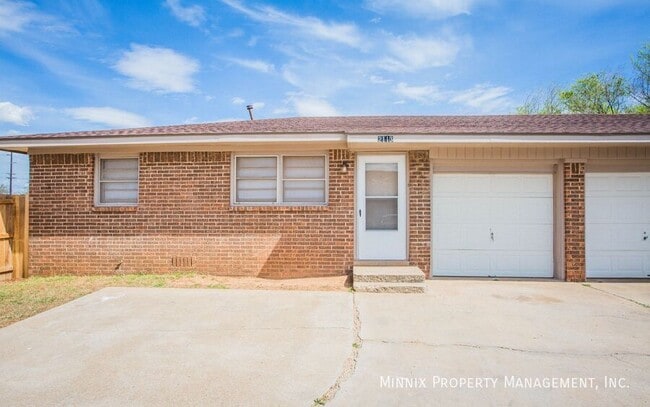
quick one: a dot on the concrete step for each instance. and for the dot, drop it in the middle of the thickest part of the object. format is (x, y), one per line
(382, 287)
(387, 274)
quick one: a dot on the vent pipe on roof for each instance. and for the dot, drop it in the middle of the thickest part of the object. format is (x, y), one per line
(250, 111)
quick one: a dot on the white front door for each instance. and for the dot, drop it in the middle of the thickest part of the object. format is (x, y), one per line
(492, 225)
(617, 225)
(381, 207)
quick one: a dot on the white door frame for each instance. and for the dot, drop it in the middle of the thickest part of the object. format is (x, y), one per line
(379, 244)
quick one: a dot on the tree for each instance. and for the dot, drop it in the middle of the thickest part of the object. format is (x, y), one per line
(601, 93)
(641, 83)
(542, 102)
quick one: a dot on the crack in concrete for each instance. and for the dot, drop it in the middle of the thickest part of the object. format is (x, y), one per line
(618, 296)
(350, 364)
(506, 348)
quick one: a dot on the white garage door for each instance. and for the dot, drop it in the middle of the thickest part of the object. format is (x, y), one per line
(617, 229)
(492, 225)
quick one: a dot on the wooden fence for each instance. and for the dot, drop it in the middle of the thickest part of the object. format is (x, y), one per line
(14, 232)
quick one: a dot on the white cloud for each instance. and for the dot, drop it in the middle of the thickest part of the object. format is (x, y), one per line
(108, 116)
(484, 98)
(238, 101)
(378, 80)
(481, 98)
(281, 111)
(193, 15)
(15, 114)
(157, 69)
(15, 15)
(258, 105)
(254, 64)
(436, 9)
(344, 33)
(413, 53)
(423, 94)
(306, 105)
(323, 76)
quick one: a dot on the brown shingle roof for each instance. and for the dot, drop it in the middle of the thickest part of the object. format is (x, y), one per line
(505, 124)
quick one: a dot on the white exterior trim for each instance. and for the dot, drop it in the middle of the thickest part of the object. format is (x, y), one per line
(271, 138)
(490, 139)
(345, 140)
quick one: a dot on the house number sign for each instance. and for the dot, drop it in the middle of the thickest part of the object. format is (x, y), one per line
(385, 139)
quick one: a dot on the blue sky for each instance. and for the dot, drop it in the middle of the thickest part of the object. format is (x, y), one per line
(91, 64)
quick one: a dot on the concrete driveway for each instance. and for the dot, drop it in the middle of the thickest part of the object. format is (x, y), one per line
(486, 343)
(157, 346)
(225, 347)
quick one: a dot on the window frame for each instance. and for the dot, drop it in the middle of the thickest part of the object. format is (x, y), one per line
(279, 179)
(97, 194)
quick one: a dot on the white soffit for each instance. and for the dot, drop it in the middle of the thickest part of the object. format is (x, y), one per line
(383, 141)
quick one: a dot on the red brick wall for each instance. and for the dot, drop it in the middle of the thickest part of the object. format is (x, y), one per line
(184, 212)
(419, 198)
(574, 221)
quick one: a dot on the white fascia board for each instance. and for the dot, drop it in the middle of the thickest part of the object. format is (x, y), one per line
(172, 139)
(500, 139)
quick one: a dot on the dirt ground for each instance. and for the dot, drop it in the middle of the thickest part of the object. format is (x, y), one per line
(337, 283)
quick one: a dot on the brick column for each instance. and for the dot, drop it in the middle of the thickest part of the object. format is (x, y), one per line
(574, 221)
(419, 201)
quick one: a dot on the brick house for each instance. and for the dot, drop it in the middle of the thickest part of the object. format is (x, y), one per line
(563, 196)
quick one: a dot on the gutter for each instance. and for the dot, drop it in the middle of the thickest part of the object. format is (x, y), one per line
(383, 141)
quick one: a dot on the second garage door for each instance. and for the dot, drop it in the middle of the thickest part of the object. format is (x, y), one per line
(617, 227)
(492, 225)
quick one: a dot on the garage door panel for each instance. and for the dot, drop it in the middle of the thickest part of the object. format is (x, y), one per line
(503, 210)
(631, 183)
(525, 264)
(456, 184)
(516, 208)
(455, 210)
(461, 237)
(617, 265)
(446, 237)
(448, 260)
(617, 213)
(598, 265)
(627, 237)
(629, 264)
(477, 237)
(536, 210)
(535, 237)
(505, 264)
(537, 185)
(476, 262)
(599, 185)
(628, 210)
(600, 209)
(598, 236)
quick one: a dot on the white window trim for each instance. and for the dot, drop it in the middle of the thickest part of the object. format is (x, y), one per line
(279, 179)
(98, 158)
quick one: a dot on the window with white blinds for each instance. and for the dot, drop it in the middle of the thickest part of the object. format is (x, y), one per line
(117, 181)
(291, 179)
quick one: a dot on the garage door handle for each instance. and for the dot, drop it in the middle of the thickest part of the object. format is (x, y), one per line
(645, 235)
(359, 212)
(491, 235)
